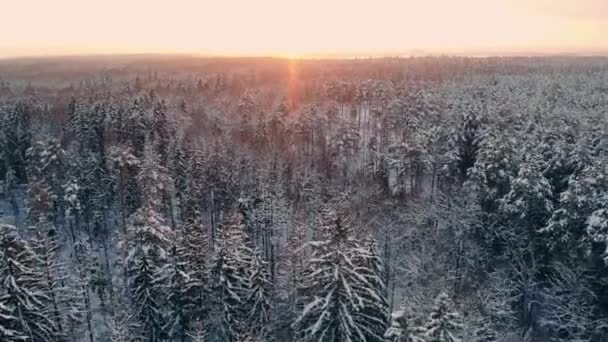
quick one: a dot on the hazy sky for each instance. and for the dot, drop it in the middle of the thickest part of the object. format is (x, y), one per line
(297, 27)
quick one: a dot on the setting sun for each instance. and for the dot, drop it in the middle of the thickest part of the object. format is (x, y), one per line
(289, 28)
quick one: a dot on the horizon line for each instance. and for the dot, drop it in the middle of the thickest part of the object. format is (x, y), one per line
(318, 56)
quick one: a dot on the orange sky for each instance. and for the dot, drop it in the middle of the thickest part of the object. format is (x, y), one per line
(302, 27)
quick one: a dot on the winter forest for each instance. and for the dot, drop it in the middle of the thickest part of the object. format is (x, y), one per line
(428, 199)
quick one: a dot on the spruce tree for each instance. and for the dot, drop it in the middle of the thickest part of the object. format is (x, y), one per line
(337, 291)
(195, 244)
(373, 316)
(401, 330)
(160, 130)
(22, 293)
(259, 298)
(224, 299)
(444, 323)
(229, 280)
(45, 247)
(149, 239)
(182, 297)
(8, 324)
(145, 294)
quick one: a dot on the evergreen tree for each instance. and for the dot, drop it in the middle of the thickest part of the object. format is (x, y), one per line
(124, 166)
(149, 239)
(22, 293)
(8, 324)
(60, 286)
(465, 142)
(259, 298)
(597, 228)
(444, 324)
(120, 327)
(373, 316)
(17, 137)
(526, 209)
(46, 170)
(225, 301)
(229, 281)
(84, 263)
(160, 130)
(192, 198)
(182, 296)
(195, 248)
(567, 225)
(334, 285)
(401, 330)
(145, 294)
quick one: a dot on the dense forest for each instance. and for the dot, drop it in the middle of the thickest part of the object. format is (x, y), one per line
(431, 199)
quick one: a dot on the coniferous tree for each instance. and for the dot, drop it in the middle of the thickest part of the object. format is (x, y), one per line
(259, 298)
(17, 137)
(465, 143)
(195, 245)
(160, 130)
(8, 324)
(373, 315)
(124, 166)
(224, 306)
(84, 264)
(444, 323)
(60, 285)
(22, 290)
(229, 281)
(182, 297)
(402, 330)
(120, 327)
(144, 284)
(333, 287)
(149, 239)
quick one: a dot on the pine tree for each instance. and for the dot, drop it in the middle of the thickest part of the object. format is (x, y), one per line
(195, 244)
(527, 208)
(145, 294)
(160, 130)
(335, 309)
(373, 316)
(10, 189)
(597, 228)
(465, 142)
(191, 199)
(444, 324)
(8, 324)
(22, 291)
(259, 298)
(583, 196)
(120, 327)
(179, 169)
(17, 136)
(60, 286)
(46, 170)
(124, 166)
(149, 242)
(182, 296)
(229, 281)
(225, 301)
(530, 198)
(401, 330)
(84, 265)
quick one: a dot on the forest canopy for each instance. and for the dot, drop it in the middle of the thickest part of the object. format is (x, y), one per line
(432, 199)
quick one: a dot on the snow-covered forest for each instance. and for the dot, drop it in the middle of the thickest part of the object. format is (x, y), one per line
(435, 199)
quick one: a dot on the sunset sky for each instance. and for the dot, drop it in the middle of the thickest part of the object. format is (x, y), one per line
(302, 27)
